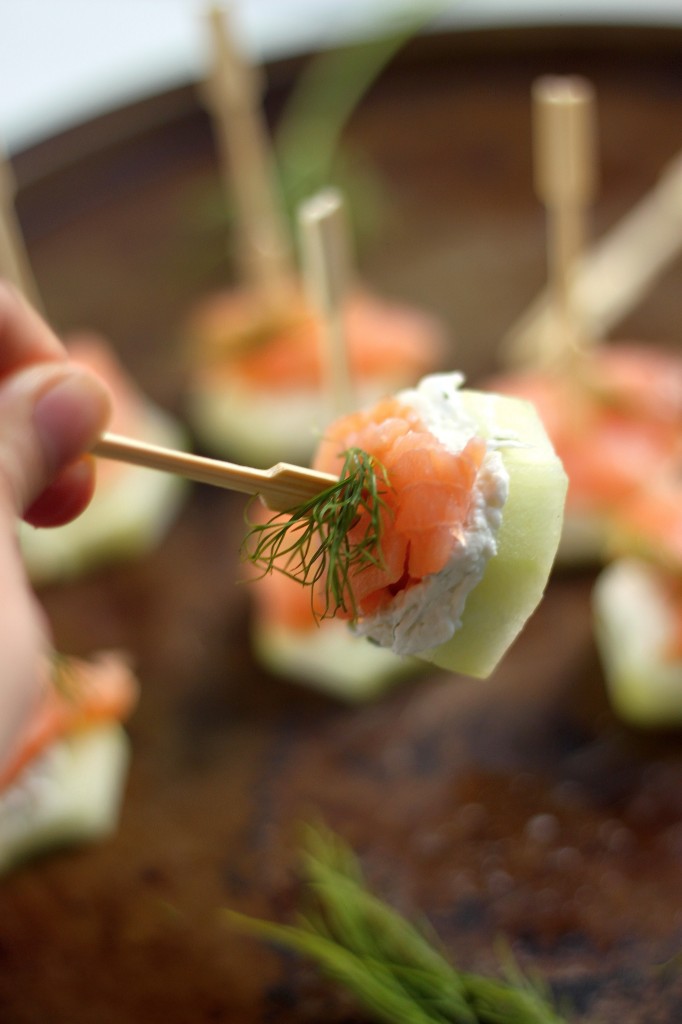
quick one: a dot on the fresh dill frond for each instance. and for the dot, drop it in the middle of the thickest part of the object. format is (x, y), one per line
(312, 543)
(394, 970)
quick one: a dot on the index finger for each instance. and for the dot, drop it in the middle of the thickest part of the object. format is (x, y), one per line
(25, 338)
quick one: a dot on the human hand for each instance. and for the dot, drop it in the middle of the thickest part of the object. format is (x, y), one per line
(51, 412)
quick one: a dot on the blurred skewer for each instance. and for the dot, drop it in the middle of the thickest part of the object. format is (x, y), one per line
(614, 275)
(564, 172)
(14, 262)
(281, 487)
(326, 271)
(232, 93)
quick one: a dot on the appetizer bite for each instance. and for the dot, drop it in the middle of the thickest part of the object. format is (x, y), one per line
(637, 624)
(439, 538)
(131, 509)
(63, 781)
(614, 414)
(637, 604)
(256, 386)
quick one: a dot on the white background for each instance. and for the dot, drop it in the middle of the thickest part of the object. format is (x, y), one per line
(63, 61)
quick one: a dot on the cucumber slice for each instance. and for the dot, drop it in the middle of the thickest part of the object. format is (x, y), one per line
(514, 579)
(123, 519)
(633, 622)
(329, 658)
(256, 428)
(70, 794)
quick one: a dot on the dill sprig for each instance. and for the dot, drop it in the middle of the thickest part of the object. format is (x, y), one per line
(394, 970)
(63, 677)
(312, 544)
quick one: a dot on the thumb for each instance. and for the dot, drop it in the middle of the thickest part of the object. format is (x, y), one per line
(50, 414)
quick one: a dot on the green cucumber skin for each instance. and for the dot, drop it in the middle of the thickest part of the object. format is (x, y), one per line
(515, 578)
(643, 686)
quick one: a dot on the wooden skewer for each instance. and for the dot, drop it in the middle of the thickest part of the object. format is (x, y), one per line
(282, 487)
(233, 95)
(325, 263)
(14, 261)
(613, 276)
(563, 138)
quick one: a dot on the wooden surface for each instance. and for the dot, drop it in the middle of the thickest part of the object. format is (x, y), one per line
(517, 806)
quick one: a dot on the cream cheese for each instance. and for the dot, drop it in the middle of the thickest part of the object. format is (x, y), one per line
(428, 613)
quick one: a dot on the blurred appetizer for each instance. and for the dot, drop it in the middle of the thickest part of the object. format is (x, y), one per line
(64, 780)
(438, 540)
(131, 508)
(256, 387)
(614, 415)
(638, 629)
(637, 605)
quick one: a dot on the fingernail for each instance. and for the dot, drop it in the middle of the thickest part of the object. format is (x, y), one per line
(69, 416)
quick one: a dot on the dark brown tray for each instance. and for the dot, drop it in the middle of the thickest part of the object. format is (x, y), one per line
(518, 806)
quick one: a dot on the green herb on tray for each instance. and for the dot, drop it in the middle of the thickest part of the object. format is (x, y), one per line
(394, 970)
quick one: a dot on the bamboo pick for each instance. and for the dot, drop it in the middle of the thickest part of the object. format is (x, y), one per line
(281, 488)
(232, 93)
(325, 262)
(14, 261)
(563, 140)
(614, 275)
